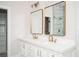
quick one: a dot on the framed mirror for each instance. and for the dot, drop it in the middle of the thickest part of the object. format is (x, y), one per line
(37, 22)
(55, 19)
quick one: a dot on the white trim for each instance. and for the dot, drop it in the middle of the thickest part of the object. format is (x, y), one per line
(9, 29)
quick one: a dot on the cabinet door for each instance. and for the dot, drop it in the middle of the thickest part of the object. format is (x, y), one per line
(70, 53)
(19, 47)
(44, 52)
(38, 52)
(26, 49)
(30, 50)
(22, 49)
(53, 54)
(41, 52)
(33, 51)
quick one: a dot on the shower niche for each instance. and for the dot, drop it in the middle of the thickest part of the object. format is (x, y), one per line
(55, 19)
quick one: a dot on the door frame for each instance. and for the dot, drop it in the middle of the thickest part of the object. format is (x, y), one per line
(8, 29)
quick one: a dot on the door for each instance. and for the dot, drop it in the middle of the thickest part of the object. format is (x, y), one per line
(3, 33)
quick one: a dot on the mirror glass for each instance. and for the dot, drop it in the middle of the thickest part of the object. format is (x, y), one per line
(36, 22)
(55, 19)
(49, 20)
(58, 19)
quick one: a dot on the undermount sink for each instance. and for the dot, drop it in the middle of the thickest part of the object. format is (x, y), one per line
(61, 45)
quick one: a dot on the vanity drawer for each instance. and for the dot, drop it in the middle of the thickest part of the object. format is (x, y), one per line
(53, 54)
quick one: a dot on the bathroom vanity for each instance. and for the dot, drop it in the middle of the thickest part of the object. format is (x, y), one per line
(32, 48)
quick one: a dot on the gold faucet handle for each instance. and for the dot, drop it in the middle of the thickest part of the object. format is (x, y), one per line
(50, 38)
(35, 36)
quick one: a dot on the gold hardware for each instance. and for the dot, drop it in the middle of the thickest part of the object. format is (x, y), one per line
(50, 38)
(35, 36)
(35, 5)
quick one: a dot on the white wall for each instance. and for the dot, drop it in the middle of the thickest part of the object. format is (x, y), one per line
(77, 26)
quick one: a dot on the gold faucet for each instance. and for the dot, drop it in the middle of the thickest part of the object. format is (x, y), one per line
(51, 39)
(35, 36)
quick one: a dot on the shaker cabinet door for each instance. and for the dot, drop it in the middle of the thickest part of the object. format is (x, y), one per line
(22, 49)
(53, 54)
(38, 52)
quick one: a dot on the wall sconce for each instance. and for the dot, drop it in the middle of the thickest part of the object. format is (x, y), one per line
(35, 5)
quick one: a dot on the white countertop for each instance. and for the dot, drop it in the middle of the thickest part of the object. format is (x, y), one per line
(60, 46)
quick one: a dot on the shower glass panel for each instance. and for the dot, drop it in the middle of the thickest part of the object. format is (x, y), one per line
(3, 33)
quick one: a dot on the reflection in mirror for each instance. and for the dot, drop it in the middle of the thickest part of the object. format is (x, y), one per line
(49, 14)
(47, 25)
(37, 22)
(59, 19)
(56, 14)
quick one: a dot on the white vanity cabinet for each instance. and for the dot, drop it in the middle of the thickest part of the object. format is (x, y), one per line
(42, 52)
(29, 49)
(26, 50)
(53, 54)
(21, 49)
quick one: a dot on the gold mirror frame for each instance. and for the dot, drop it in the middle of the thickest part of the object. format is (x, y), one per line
(51, 36)
(35, 35)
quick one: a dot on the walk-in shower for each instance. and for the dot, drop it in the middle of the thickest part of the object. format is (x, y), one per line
(3, 32)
